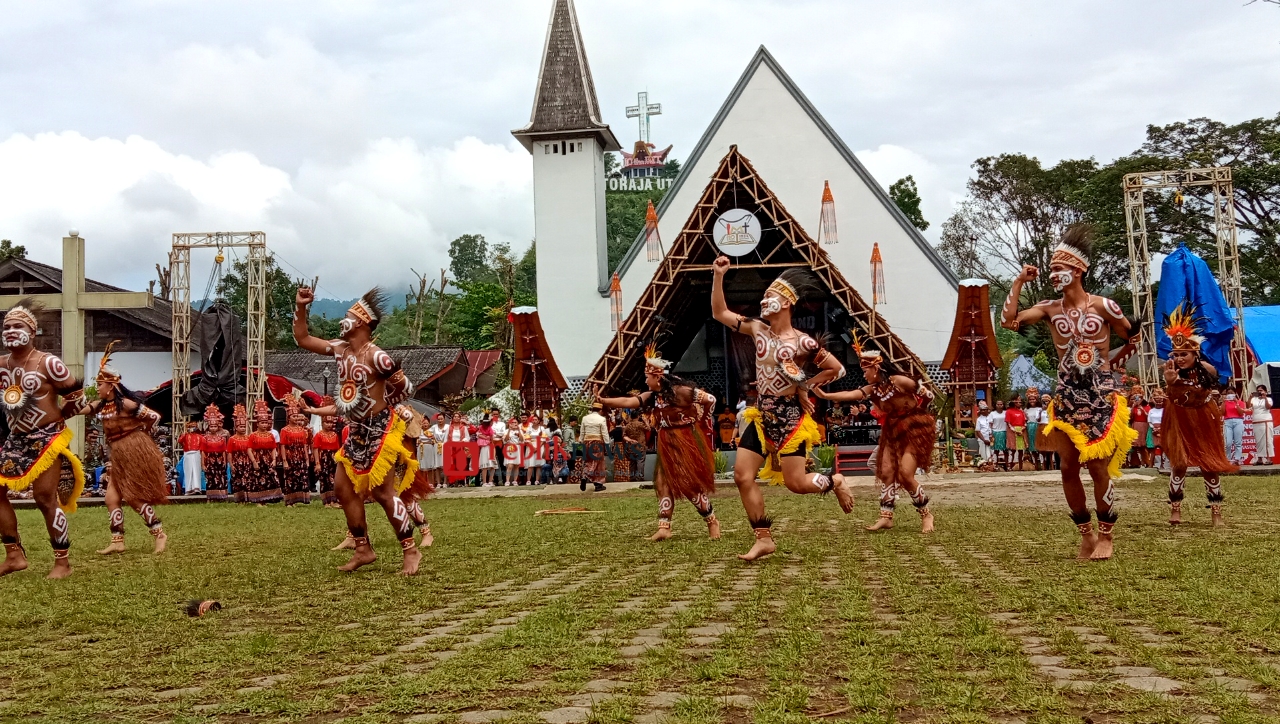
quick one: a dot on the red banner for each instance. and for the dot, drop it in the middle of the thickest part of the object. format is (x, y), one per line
(461, 460)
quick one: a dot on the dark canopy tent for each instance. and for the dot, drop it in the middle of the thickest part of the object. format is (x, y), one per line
(222, 356)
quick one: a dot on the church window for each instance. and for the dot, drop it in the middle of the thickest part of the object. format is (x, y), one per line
(570, 148)
(546, 149)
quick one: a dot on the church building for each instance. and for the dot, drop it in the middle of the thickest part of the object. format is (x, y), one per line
(784, 141)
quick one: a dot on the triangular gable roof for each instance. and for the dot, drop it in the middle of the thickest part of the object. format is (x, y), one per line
(157, 319)
(973, 319)
(565, 99)
(683, 279)
(764, 57)
(531, 343)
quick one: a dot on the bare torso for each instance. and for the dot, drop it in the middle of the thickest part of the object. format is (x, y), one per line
(30, 386)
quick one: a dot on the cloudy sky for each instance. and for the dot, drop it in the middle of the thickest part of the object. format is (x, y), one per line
(363, 135)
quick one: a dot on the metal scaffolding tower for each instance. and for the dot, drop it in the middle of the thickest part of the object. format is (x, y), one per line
(1224, 224)
(255, 325)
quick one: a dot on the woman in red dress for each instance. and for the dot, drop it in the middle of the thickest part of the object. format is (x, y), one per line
(262, 452)
(213, 455)
(323, 445)
(295, 456)
(238, 454)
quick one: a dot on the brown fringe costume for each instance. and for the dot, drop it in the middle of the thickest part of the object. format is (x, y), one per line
(908, 427)
(1191, 435)
(137, 467)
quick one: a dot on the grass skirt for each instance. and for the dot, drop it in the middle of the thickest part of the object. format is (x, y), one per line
(1112, 444)
(1192, 436)
(686, 462)
(137, 469)
(384, 450)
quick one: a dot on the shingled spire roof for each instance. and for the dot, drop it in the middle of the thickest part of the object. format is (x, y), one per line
(565, 102)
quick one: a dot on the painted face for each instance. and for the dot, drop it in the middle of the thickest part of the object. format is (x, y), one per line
(1183, 359)
(16, 334)
(347, 326)
(770, 305)
(1061, 278)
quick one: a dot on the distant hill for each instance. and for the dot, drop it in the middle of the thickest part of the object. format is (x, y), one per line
(331, 308)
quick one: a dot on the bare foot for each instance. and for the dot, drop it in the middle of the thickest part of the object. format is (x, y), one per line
(1087, 545)
(362, 556)
(764, 546)
(412, 557)
(843, 495)
(427, 538)
(713, 527)
(663, 532)
(14, 560)
(347, 544)
(61, 566)
(1175, 513)
(1105, 547)
(926, 520)
(116, 546)
(884, 522)
(162, 542)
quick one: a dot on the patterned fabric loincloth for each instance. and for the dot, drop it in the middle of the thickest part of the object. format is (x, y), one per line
(373, 448)
(25, 456)
(1087, 409)
(786, 430)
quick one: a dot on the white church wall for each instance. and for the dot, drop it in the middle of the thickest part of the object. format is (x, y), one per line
(793, 156)
(569, 228)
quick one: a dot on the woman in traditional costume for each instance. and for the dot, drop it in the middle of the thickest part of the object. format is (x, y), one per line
(295, 454)
(137, 476)
(512, 450)
(1191, 428)
(213, 454)
(686, 468)
(238, 455)
(263, 453)
(1138, 411)
(323, 446)
(907, 434)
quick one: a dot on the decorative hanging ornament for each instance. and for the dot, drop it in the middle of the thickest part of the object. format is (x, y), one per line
(827, 229)
(652, 242)
(877, 276)
(14, 397)
(615, 302)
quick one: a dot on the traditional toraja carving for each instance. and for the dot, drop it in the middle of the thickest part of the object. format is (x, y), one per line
(683, 271)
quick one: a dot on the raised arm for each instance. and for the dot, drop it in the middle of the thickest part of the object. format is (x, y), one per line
(1010, 316)
(301, 333)
(720, 309)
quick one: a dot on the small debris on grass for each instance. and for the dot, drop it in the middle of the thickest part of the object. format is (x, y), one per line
(566, 511)
(196, 608)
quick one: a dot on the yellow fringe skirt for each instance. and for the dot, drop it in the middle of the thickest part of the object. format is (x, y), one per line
(392, 454)
(1114, 443)
(806, 434)
(58, 447)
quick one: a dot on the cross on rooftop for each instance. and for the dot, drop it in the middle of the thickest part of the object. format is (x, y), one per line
(643, 110)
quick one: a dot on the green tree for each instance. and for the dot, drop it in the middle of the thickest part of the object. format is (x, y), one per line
(670, 169)
(9, 251)
(907, 198)
(469, 258)
(281, 289)
(526, 278)
(611, 164)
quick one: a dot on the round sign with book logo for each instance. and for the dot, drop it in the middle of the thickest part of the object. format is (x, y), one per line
(736, 232)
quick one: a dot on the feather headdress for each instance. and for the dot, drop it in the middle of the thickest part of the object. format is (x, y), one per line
(653, 362)
(371, 307)
(25, 311)
(1075, 248)
(105, 372)
(1182, 328)
(866, 357)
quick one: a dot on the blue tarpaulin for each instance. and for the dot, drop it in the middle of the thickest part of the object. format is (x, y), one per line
(1262, 327)
(1186, 279)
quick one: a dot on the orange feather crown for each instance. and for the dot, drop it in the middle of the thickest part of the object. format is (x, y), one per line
(653, 362)
(866, 357)
(105, 372)
(1181, 327)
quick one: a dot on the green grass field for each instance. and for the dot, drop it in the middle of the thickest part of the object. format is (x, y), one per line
(576, 618)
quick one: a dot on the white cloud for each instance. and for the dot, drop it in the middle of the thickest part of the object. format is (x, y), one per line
(357, 223)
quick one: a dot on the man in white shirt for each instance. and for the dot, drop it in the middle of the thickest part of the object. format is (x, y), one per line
(595, 443)
(982, 432)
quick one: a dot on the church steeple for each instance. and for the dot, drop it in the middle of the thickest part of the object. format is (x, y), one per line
(565, 101)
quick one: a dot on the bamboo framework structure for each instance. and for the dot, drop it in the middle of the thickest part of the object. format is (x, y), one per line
(255, 325)
(687, 267)
(1224, 224)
